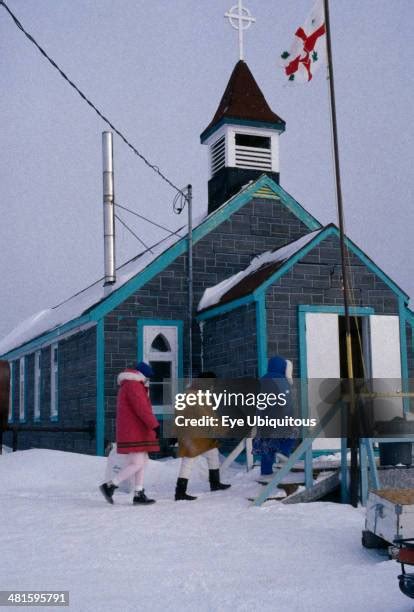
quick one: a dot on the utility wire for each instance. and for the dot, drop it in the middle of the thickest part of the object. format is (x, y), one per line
(133, 212)
(86, 99)
(133, 233)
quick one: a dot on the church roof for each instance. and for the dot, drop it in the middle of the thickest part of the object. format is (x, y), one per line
(243, 100)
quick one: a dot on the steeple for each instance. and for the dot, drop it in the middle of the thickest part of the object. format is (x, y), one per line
(243, 137)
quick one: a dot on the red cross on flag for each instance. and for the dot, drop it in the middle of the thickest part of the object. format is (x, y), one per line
(307, 52)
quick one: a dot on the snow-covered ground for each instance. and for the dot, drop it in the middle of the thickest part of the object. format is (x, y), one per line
(215, 554)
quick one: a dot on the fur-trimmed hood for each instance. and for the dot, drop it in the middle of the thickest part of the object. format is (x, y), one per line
(131, 375)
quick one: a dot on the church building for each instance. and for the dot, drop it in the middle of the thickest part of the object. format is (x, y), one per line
(267, 281)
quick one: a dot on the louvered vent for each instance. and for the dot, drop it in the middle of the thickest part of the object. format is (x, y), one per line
(218, 155)
(253, 152)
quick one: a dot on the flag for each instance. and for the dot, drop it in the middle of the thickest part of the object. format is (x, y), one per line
(307, 52)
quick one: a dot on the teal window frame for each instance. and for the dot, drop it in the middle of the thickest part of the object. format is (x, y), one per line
(178, 323)
(10, 416)
(37, 385)
(22, 390)
(54, 383)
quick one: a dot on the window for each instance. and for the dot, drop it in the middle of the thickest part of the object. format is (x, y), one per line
(37, 385)
(160, 350)
(54, 388)
(22, 390)
(250, 140)
(10, 418)
(253, 151)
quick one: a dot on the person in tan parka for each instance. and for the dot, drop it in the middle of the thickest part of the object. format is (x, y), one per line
(188, 449)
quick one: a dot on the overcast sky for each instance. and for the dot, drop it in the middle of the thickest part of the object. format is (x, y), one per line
(158, 69)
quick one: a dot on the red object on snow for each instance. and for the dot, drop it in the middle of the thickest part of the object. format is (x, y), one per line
(135, 421)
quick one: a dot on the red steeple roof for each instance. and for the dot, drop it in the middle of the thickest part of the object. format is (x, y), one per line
(243, 99)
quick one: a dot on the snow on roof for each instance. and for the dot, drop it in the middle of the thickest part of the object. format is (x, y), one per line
(214, 295)
(51, 318)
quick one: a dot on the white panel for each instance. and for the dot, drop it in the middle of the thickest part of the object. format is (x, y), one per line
(322, 345)
(322, 349)
(385, 346)
(386, 363)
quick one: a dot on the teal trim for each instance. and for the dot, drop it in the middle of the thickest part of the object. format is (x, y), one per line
(344, 471)
(295, 456)
(404, 353)
(55, 417)
(224, 308)
(141, 323)
(293, 205)
(373, 267)
(280, 126)
(409, 316)
(373, 472)
(261, 333)
(10, 415)
(47, 338)
(37, 396)
(363, 466)
(100, 388)
(359, 311)
(24, 418)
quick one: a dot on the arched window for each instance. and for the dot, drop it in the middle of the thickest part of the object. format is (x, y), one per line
(161, 344)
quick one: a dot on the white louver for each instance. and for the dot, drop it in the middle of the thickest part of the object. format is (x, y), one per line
(218, 155)
(253, 157)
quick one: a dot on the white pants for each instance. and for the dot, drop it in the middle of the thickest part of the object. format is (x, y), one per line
(135, 467)
(187, 463)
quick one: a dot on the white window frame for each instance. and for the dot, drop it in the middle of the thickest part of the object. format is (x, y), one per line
(150, 332)
(37, 385)
(22, 389)
(10, 415)
(54, 382)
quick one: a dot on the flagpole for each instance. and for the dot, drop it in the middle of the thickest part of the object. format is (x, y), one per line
(354, 485)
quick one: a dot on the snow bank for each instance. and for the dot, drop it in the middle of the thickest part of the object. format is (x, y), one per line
(213, 295)
(215, 554)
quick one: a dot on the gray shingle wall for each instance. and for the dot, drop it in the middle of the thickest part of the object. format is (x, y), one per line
(230, 343)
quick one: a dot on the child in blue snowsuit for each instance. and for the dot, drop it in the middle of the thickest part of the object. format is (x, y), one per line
(279, 373)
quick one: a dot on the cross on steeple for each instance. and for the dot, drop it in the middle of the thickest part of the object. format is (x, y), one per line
(240, 19)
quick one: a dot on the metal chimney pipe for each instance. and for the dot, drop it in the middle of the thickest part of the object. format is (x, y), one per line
(108, 208)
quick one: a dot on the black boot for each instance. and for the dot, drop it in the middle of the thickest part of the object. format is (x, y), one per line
(141, 498)
(215, 484)
(181, 490)
(108, 489)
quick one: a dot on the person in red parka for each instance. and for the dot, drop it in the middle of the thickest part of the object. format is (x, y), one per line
(135, 430)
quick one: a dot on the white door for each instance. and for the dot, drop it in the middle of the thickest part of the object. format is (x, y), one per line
(386, 364)
(323, 361)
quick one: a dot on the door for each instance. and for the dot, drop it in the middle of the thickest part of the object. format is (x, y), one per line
(386, 364)
(323, 362)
